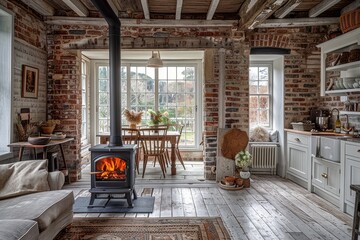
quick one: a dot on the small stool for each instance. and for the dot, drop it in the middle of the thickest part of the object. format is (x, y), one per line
(53, 163)
(355, 229)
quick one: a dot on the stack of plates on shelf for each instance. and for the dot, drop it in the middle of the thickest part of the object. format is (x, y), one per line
(348, 82)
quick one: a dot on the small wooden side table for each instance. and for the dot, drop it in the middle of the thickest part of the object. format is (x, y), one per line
(355, 229)
(59, 143)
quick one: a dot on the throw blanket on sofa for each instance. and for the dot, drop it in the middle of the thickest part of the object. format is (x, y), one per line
(23, 177)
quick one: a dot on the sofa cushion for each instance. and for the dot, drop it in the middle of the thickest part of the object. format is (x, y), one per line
(23, 177)
(42, 207)
(14, 229)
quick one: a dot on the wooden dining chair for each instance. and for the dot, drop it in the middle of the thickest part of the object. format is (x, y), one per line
(178, 128)
(153, 143)
(131, 136)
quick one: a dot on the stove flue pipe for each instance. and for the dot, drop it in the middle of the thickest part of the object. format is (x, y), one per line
(115, 66)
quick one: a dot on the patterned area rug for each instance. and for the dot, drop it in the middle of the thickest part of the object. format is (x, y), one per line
(145, 228)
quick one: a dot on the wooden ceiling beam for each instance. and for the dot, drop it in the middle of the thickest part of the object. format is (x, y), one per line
(254, 12)
(212, 9)
(40, 6)
(145, 6)
(55, 20)
(355, 4)
(322, 7)
(179, 4)
(298, 22)
(77, 7)
(287, 8)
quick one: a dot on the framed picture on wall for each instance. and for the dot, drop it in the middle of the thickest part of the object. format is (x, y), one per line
(30, 82)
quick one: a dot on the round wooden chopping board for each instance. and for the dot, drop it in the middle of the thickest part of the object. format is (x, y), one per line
(233, 142)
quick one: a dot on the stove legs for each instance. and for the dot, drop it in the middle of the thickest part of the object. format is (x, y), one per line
(129, 193)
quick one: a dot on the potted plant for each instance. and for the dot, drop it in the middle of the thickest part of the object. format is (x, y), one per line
(157, 117)
(49, 126)
(243, 161)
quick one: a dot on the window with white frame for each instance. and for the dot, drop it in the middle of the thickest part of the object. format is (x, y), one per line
(173, 88)
(260, 94)
(6, 46)
(84, 100)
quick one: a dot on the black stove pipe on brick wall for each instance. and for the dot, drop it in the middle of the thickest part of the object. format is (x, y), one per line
(115, 65)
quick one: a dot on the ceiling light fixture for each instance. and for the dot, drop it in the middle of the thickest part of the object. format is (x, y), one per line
(155, 60)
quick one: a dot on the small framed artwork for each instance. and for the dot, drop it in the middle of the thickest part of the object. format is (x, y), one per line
(30, 82)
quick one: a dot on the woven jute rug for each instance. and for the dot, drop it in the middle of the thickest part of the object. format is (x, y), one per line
(145, 228)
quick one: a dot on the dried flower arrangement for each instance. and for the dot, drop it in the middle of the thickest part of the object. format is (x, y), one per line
(24, 131)
(133, 117)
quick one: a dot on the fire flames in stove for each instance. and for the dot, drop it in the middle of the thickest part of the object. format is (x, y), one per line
(110, 168)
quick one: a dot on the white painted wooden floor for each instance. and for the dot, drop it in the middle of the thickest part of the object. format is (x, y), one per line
(272, 208)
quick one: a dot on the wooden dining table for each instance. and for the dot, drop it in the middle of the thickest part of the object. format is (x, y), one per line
(170, 136)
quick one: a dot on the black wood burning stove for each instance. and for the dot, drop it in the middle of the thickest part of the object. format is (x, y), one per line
(112, 166)
(112, 172)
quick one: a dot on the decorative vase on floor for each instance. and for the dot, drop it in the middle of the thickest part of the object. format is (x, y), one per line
(245, 174)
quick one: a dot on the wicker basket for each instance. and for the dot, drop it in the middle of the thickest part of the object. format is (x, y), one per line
(302, 126)
(350, 20)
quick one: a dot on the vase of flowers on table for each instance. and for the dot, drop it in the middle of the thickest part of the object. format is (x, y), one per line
(157, 117)
(243, 161)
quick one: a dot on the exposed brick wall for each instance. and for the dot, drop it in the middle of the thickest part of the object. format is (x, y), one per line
(302, 66)
(28, 25)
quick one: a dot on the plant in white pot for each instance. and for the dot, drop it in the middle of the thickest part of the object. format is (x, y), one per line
(243, 161)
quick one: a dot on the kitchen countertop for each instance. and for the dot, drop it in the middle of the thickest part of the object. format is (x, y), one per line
(315, 133)
(340, 136)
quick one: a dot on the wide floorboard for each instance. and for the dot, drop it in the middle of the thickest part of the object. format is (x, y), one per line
(272, 208)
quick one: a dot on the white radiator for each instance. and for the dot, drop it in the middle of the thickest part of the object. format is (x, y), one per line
(264, 158)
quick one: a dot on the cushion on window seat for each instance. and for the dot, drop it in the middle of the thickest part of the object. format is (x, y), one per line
(260, 134)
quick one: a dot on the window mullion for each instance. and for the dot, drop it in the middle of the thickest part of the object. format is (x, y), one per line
(128, 87)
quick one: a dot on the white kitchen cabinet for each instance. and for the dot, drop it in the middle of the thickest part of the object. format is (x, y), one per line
(326, 179)
(298, 159)
(352, 174)
(340, 44)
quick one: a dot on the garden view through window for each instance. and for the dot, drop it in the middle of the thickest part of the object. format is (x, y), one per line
(171, 89)
(260, 94)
